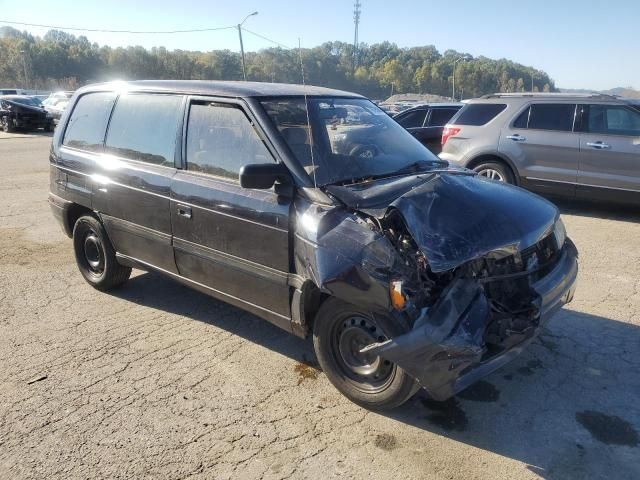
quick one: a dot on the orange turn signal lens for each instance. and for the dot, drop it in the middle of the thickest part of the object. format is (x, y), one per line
(395, 293)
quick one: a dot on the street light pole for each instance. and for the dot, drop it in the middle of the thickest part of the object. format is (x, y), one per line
(453, 87)
(532, 81)
(244, 68)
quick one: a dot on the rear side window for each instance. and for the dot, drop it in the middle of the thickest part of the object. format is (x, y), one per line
(477, 114)
(88, 121)
(613, 120)
(413, 119)
(551, 116)
(221, 140)
(441, 116)
(143, 127)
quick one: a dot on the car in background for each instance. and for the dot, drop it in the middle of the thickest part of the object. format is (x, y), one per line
(39, 98)
(56, 107)
(573, 145)
(426, 122)
(23, 112)
(62, 94)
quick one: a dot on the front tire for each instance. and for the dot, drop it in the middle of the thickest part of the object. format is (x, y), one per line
(95, 255)
(339, 331)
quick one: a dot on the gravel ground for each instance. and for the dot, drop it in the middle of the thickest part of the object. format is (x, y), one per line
(158, 381)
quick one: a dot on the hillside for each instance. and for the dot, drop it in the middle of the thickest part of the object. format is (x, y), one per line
(620, 91)
(62, 60)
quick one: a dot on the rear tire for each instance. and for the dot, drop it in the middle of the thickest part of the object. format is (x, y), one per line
(339, 331)
(495, 171)
(95, 255)
(7, 125)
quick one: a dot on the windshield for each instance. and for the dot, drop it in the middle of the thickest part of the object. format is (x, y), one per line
(352, 138)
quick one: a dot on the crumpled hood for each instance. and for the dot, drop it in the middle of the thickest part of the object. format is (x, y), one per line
(455, 217)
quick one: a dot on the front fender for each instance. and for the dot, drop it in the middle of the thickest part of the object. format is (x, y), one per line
(343, 255)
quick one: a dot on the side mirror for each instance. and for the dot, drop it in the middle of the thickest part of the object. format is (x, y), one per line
(264, 175)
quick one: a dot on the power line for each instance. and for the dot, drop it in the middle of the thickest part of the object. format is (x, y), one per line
(268, 39)
(193, 30)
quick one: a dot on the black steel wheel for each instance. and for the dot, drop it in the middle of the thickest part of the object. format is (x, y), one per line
(340, 331)
(95, 255)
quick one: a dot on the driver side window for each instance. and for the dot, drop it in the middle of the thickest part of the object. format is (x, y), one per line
(221, 140)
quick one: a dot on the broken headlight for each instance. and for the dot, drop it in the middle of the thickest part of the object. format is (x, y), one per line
(559, 233)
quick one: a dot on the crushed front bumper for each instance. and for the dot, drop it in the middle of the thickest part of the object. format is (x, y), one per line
(446, 352)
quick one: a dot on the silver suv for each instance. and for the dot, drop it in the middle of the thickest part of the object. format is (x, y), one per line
(584, 146)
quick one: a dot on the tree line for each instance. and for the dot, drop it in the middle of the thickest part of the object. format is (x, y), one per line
(62, 60)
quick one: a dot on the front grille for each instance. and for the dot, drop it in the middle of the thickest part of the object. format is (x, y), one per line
(541, 257)
(538, 259)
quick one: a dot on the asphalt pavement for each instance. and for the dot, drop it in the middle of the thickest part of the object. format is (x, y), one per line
(158, 381)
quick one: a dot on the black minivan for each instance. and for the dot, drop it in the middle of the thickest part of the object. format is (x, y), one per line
(314, 210)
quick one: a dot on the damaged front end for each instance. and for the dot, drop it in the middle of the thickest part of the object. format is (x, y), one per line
(483, 318)
(476, 268)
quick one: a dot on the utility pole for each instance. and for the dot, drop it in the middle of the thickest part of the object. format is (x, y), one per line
(453, 87)
(356, 22)
(24, 68)
(244, 68)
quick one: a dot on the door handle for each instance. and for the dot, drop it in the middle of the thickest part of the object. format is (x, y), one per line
(598, 145)
(517, 138)
(184, 211)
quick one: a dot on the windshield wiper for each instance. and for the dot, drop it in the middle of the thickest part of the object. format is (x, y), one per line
(414, 167)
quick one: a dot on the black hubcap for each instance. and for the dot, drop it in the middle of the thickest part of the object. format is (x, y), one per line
(93, 252)
(369, 372)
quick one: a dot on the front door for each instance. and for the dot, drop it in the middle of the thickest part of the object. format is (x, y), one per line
(541, 142)
(609, 153)
(234, 241)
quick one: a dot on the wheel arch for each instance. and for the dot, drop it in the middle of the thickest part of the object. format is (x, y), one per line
(495, 157)
(307, 300)
(73, 213)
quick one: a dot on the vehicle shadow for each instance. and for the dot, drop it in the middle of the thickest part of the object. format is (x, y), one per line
(567, 407)
(594, 209)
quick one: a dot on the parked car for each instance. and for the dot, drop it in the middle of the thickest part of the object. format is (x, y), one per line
(573, 145)
(22, 112)
(56, 107)
(426, 122)
(407, 273)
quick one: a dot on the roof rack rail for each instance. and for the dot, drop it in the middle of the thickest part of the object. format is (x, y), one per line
(550, 94)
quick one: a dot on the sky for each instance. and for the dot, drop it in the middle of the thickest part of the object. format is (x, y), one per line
(581, 44)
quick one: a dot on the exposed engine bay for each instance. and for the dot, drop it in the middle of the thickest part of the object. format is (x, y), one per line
(504, 277)
(466, 315)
